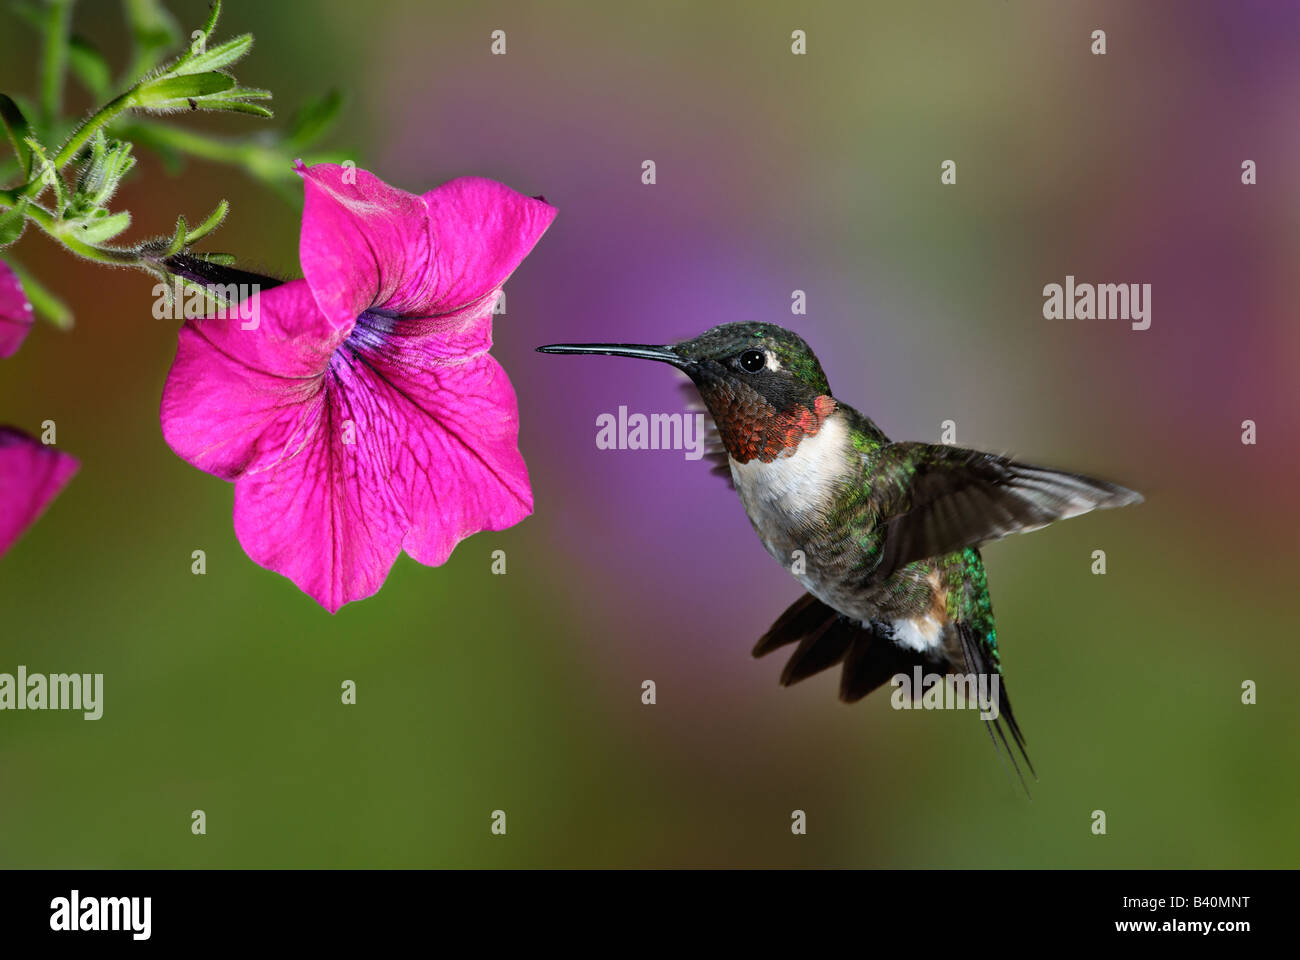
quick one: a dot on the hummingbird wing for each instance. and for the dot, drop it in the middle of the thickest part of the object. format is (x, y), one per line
(715, 452)
(935, 500)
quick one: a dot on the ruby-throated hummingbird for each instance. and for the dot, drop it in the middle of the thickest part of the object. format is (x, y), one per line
(884, 536)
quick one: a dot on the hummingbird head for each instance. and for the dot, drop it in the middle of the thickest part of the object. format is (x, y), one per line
(761, 383)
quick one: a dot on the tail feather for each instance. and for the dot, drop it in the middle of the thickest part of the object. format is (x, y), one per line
(978, 663)
(826, 638)
(874, 658)
(820, 650)
(871, 656)
(799, 619)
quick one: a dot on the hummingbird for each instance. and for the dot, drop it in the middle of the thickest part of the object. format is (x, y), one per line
(883, 536)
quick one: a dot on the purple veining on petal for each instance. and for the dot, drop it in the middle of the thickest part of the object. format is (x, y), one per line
(16, 315)
(31, 475)
(363, 416)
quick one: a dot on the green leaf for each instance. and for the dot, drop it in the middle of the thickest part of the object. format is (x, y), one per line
(18, 130)
(199, 38)
(177, 242)
(90, 67)
(108, 163)
(236, 101)
(186, 90)
(246, 93)
(98, 229)
(236, 106)
(216, 58)
(313, 120)
(43, 302)
(12, 224)
(92, 170)
(43, 168)
(213, 221)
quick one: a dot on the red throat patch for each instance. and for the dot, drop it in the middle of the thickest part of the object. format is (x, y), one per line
(753, 429)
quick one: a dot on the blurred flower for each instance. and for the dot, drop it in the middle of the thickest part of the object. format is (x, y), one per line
(360, 414)
(31, 475)
(15, 312)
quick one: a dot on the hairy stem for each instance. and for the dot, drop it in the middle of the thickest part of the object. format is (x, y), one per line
(112, 256)
(102, 117)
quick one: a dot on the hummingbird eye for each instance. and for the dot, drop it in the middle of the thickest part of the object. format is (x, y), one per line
(752, 361)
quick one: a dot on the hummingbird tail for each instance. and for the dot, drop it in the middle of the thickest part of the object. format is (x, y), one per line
(871, 656)
(978, 662)
(826, 638)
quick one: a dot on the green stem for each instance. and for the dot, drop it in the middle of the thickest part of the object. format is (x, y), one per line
(269, 164)
(112, 256)
(102, 117)
(184, 141)
(80, 137)
(42, 300)
(55, 62)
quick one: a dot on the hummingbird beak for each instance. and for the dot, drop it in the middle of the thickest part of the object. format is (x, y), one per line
(643, 351)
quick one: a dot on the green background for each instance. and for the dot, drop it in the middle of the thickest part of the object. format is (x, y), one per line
(522, 692)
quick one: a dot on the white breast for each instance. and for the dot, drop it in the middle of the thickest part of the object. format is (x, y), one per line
(792, 485)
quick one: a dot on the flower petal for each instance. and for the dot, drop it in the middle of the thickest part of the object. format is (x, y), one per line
(360, 413)
(243, 399)
(31, 475)
(325, 518)
(482, 230)
(409, 450)
(16, 315)
(363, 244)
(368, 246)
(454, 453)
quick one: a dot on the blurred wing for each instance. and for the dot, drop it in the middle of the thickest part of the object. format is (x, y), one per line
(938, 499)
(715, 452)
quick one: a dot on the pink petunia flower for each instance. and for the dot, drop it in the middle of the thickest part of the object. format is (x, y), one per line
(31, 475)
(358, 413)
(15, 312)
